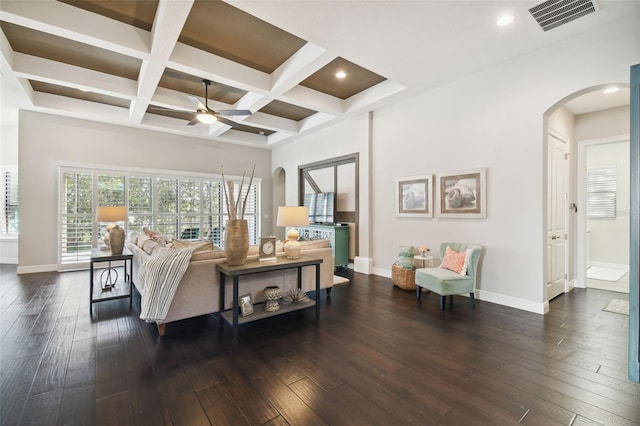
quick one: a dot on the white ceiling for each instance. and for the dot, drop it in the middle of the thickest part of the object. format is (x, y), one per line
(416, 45)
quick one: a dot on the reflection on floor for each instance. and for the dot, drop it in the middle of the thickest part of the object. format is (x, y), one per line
(621, 286)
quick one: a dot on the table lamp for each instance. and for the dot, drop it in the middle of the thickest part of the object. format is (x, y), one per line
(116, 234)
(292, 216)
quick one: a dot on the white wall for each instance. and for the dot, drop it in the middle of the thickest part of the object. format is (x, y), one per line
(602, 124)
(47, 141)
(8, 155)
(492, 119)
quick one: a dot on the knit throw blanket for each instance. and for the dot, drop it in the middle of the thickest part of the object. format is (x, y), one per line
(161, 275)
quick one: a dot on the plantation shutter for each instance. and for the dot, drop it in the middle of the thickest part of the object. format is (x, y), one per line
(601, 193)
(176, 206)
(10, 224)
(76, 216)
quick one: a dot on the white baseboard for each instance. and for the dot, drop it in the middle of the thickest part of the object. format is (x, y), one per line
(382, 272)
(487, 296)
(9, 260)
(513, 302)
(36, 269)
(362, 265)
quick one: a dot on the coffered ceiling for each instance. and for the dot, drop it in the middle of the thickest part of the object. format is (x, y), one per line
(136, 63)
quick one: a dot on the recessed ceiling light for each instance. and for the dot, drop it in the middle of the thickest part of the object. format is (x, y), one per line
(504, 20)
(341, 74)
(611, 89)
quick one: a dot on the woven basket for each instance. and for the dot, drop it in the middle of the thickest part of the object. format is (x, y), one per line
(403, 278)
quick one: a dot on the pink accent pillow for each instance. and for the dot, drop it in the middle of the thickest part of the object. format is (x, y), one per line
(454, 261)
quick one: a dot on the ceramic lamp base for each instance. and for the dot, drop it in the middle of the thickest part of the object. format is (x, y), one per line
(116, 240)
(292, 249)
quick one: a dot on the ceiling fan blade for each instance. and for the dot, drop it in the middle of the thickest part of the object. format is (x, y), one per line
(227, 122)
(231, 112)
(193, 121)
(197, 102)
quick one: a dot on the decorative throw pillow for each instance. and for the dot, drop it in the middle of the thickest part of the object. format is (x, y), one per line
(149, 246)
(141, 239)
(150, 233)
(405, 257)
(454, 261)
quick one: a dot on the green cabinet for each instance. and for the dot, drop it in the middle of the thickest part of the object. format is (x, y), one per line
(338, 236)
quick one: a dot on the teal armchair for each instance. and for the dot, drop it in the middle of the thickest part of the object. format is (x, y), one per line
(447, 283)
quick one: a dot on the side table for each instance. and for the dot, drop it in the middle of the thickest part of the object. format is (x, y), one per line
(100, 256)
(424, 260)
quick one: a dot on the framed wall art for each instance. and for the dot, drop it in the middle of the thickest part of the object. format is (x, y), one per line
(462, 194)
(414, 196)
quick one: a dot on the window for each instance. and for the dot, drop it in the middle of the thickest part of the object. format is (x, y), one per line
(601, 193)
(10, 209)
(184, 207)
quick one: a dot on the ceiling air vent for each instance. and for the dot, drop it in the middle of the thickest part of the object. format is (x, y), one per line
(553, 13)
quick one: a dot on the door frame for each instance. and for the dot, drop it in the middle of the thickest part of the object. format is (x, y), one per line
(634, 225)
(581, 200)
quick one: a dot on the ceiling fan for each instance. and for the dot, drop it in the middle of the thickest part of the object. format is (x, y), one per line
(206, 115)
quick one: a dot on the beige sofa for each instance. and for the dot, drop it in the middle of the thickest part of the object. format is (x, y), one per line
(198, 292)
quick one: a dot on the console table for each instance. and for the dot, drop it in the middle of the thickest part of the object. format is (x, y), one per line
(256, 267)
(100, 256)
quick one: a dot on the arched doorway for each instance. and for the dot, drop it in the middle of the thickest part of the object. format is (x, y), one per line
(568, 121)
(578, 242)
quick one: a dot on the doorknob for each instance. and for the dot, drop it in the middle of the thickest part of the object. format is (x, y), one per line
(554, 237)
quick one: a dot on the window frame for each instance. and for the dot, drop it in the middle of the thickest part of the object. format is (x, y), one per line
(207, 219)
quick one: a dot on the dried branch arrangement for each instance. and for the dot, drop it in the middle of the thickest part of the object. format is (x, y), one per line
(235, 209)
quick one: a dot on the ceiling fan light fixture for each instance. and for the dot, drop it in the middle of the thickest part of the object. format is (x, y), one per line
(205, 118)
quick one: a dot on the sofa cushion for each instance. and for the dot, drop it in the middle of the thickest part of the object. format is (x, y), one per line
(313, 244)
(141, 239)
(208, 254)
(199, 246)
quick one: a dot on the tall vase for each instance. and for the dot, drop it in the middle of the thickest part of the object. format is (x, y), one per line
(236, 242)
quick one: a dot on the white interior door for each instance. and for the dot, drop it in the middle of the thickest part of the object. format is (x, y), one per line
(557, 169)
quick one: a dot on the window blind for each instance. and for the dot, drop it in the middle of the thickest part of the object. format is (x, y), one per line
(601, 193)
(10, 208)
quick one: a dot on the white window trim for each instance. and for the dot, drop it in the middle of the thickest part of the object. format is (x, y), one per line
(156, 173)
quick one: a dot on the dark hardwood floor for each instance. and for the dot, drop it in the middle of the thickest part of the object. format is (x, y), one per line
(375, 357)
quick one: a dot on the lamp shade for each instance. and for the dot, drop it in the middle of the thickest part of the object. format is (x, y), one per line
(292, 216)
(111, 214)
